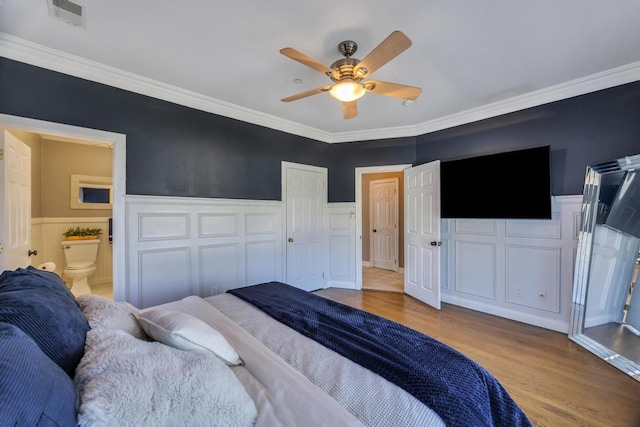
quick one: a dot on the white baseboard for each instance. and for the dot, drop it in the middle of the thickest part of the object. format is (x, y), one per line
(554, 325)
(341, 285)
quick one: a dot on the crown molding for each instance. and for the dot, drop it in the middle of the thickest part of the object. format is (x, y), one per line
(594, 82)
(41, 56)
(55, 60)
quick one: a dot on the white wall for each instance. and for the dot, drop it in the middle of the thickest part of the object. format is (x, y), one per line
(179, 246)
(518, 269)
(183, 246)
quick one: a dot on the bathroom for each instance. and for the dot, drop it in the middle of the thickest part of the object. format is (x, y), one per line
(59, 167)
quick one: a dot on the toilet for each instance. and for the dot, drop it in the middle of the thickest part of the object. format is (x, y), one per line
(80, 258)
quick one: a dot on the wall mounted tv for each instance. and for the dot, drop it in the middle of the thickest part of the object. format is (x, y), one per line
(508, 185)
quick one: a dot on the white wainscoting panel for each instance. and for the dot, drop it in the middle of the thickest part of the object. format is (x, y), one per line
(518, 269)
(263, 261)
(217, 225)
(164, 266)
(341, 238)
(162, 226)
(180, 246)
(477, 274)
(541, 289)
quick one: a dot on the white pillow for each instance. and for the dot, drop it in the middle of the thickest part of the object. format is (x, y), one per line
(186, 332)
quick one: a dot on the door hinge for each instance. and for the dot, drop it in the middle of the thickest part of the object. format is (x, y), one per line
(1, 154)
(323, 274)
(626, 307)
(1, 248)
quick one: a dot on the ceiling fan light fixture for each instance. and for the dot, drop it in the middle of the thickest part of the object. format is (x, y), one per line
(347, 91)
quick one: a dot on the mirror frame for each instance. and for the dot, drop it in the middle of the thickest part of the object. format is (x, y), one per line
(89, 181)
(590, 199)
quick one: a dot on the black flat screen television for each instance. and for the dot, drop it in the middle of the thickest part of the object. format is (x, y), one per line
(508, 185)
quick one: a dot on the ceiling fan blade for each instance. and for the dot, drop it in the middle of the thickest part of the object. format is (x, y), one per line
(392, 89)
(307, 93)
(306, 60)
(390, 47)
(349, 109)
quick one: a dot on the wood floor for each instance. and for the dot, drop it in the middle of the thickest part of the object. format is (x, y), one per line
(377, 279)
(555, 381)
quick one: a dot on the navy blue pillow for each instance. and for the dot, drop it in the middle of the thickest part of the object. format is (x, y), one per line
(34, 391)
(39, 303)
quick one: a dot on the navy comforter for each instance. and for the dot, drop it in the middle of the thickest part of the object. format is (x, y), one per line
(462, 392)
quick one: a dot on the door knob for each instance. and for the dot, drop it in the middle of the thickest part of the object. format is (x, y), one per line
(434, 243)
(375, 231)
(34, 252)
(290, 239)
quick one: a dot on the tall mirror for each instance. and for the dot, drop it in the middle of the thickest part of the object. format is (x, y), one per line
(605, 311)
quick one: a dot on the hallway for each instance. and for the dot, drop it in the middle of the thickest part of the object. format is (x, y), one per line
(377, 279)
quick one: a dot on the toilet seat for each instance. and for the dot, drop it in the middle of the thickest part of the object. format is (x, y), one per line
(79, 266)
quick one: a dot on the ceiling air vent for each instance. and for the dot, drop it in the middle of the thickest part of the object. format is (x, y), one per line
(66, 11)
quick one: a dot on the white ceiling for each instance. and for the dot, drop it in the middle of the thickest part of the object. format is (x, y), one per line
(472, 59)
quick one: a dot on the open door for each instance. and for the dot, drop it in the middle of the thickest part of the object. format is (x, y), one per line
(422, 239)
(15, 202)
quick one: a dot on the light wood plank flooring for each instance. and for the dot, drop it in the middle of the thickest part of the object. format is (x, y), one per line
(377, 279)
(555, 381)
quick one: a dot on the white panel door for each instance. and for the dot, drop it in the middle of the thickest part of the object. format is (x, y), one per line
(15, 200)
(383, 202)
(305, 200)
(422, 239)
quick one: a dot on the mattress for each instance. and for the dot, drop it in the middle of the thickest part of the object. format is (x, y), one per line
(296, 381)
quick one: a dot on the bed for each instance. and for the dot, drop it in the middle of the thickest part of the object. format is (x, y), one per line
(264, 355)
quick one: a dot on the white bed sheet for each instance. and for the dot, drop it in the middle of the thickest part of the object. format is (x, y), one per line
(371, 398)
(283, 396)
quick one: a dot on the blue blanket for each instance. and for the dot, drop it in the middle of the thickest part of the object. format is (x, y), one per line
(458, 389)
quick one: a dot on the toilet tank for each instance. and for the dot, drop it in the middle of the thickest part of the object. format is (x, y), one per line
(80, 251)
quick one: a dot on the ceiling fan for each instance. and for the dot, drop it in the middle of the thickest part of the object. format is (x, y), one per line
(350, 75)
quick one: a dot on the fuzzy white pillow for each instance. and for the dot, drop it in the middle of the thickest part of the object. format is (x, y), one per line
(124, 381)
(105, 313)
(186, 332)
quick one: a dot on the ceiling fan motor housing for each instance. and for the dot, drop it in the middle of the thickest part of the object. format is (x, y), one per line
(345, 70)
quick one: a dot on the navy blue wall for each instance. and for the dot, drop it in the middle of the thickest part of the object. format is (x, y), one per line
(171, 150)
(581, 131)
(346, 157)
(178, 151)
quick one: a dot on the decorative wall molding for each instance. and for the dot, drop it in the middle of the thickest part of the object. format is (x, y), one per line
(518, 269)
(31, 53)
(341, 237)
(180, 246)
(230, 243)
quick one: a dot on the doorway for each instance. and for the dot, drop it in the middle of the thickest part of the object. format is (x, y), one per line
(118, 142)
(368, 276)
